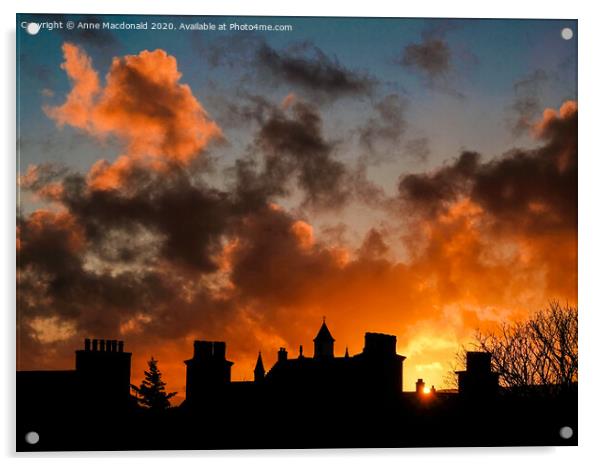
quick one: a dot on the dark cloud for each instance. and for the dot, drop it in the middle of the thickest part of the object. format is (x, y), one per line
(373, 246)
(307, 67)
(367, 191)
(270, 241)
(429, 191)
(110, 255)
(188, 217)
(431, 56)
(293, 144)
(240, 109)
(382, 134)
(527, 102)
(302, 66)
(289, 150)
(418, 148)
(536, 188)
(434, 60)
(55, 281)
(526, 190)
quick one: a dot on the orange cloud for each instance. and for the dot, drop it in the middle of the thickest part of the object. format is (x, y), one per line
(143, 104)
(77, 109)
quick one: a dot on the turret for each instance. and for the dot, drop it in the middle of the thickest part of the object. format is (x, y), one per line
(323, 343)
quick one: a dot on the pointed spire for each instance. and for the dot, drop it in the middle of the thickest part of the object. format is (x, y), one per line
(324, 334)
(259, 369)
(346, 352)
(323, 343)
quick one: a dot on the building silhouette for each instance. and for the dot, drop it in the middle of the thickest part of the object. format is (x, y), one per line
(377, 369)
(100, 380)
(323, 400)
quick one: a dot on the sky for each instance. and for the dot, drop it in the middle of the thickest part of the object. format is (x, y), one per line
(416, 177)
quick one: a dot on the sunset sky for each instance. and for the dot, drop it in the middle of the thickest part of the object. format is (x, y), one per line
(405, 176)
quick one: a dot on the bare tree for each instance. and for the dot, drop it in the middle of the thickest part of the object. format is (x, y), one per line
(555, 334)
(539, 351)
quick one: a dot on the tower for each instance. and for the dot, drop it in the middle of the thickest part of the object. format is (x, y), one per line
(259, 371)
(323, 343)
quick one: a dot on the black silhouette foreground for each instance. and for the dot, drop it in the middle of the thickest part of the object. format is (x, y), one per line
(320, 401)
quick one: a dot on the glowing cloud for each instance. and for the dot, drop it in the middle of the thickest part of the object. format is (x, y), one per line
(142, 103)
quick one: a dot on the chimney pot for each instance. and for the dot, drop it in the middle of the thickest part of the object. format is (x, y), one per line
(120, 346)
(102, 345)
(87, 344)
(95, 345)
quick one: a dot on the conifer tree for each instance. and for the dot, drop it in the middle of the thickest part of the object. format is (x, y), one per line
(151, 392)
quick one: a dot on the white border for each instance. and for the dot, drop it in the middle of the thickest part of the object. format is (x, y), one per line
(590, 225)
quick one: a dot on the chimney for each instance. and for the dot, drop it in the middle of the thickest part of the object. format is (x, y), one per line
(95, 345)
(87, 344)
(282, 355)
(420, 386)
(120, 347)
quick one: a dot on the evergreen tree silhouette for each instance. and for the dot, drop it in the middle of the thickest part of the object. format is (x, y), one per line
(151, 392)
